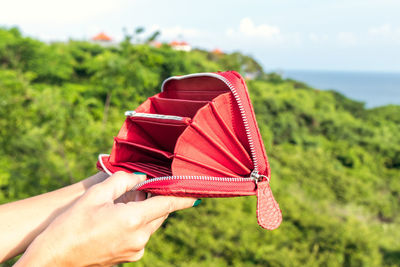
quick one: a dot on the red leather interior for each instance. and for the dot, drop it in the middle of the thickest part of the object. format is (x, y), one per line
(209, 138)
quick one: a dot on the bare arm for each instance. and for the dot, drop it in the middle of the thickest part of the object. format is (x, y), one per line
(23, 220)
(101, 230)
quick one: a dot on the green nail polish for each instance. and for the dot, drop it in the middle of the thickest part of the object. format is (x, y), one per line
(197, 202)
(139, 173)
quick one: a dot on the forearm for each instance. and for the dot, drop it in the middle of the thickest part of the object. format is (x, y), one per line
(23, 220)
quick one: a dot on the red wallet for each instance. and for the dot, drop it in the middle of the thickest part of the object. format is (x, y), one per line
(199, 138)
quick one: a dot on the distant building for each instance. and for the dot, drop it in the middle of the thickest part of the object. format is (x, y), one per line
(180, 46)
(102, 39)
(156, 44)
(217, 51)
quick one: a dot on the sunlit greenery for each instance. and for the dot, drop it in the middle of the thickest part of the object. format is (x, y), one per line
(335, 164)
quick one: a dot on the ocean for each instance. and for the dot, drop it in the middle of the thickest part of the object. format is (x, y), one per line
(373, 88)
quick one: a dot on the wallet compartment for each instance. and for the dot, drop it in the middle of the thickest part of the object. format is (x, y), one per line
(177, 107)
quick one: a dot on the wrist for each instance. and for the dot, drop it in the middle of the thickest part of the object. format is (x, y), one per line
(39, 253)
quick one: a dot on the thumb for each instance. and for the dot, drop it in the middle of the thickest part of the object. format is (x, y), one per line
(119, 183)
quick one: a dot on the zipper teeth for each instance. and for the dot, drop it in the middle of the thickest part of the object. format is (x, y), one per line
(254, 174)
(238, 101)
(245, 122)
(132, 113)
(195, 177)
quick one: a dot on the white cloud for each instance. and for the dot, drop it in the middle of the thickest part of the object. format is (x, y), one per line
(385, 29)
(176, 32)
(385, 32)
(347, 38)
(313, 37)
(318, 38)
(247, 28)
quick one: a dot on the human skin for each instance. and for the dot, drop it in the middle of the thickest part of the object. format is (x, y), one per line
(23, 220)
(100, 223)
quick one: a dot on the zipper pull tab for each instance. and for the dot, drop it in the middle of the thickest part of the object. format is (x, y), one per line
(269, 216)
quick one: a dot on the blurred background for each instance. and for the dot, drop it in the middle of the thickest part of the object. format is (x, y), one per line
(324, 77)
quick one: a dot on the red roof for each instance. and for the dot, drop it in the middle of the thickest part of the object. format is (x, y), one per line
(102, 37)
(156, 44)
(177, 43)
(217, 51)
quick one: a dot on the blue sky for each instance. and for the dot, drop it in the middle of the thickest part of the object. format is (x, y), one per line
(357, 35)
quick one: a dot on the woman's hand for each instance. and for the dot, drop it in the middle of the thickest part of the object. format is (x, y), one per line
(23, 220)
(99, 229)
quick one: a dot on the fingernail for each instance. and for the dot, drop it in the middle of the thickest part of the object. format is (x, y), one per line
(197, 202)
(142, 176)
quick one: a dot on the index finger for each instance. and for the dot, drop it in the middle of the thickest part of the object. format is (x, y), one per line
(159, 206)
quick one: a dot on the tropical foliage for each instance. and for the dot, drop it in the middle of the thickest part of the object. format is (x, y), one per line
(335, 164)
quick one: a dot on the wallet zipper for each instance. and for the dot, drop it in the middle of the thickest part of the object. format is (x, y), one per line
(254, 176)
(269, 216)
(195, 177)
(238, 101)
